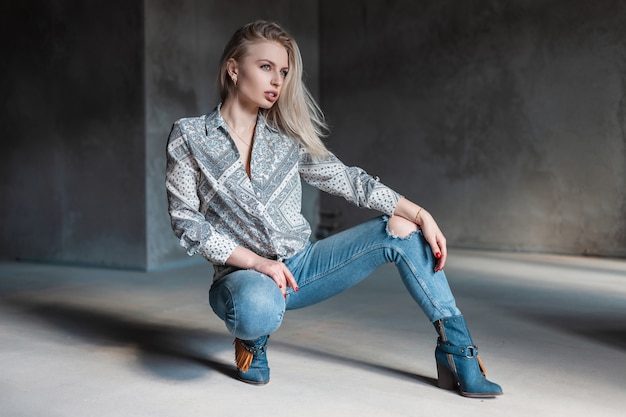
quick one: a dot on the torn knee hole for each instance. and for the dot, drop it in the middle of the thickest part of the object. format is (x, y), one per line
(398, 235)
(400, 228)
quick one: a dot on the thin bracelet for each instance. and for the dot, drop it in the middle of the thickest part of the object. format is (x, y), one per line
(418, 213)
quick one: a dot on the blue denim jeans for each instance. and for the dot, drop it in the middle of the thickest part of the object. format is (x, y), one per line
(252, 305)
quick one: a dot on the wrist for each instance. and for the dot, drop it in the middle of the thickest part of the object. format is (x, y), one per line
(418, 219)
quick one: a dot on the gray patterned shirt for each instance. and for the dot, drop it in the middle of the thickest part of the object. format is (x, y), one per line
(214, 206)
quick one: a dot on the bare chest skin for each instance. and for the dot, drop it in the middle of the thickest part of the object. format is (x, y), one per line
(244, 143)
(245, 153)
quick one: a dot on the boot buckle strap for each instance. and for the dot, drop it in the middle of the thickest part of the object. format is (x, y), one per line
(468, 352)
(255, 350)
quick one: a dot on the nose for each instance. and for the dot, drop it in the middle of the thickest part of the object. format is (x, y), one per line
(277, 79)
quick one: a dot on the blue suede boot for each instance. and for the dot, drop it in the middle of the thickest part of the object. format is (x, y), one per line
(458, 364)
(251, 361)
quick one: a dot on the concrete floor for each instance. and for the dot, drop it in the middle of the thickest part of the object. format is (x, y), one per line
(94, 342)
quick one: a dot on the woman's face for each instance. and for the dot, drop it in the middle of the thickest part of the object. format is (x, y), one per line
(260, 74)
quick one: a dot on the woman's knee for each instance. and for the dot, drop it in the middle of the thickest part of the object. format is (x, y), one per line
(251, 305)
(401, 227)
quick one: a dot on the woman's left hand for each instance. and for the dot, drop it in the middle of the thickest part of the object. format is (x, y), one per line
(434, 237)
(430, 230)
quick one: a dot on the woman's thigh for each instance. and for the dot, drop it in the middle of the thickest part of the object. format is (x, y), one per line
(332, 265)
(338, 262)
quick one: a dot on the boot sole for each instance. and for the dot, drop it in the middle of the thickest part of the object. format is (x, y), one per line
(254, 382)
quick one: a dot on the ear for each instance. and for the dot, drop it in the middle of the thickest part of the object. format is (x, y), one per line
(232, 67)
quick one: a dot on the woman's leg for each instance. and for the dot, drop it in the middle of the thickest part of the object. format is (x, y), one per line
(330, 266)
(336, 263)
(252, 308)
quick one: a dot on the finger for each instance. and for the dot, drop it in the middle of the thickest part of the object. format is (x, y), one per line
(444, 255)
(282, 284)
(280, 281)
(291, 281)
(440, 264)
(436, 251)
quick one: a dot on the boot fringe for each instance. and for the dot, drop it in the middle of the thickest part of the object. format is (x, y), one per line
(243, 357)
(483, 370)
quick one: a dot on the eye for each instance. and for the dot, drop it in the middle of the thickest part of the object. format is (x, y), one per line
(265, 67)
(284, 73)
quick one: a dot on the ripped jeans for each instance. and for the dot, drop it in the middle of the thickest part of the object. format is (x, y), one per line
(252, 305)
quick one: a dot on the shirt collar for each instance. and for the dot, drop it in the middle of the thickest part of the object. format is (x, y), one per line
(215, 120)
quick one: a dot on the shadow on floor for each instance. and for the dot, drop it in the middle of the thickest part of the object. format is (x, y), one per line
(341, 359)
(168, 351)
(173, 353)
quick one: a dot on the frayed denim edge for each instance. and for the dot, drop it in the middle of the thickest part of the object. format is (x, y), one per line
(395, 236)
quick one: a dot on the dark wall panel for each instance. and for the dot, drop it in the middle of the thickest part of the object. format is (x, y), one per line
(73, 176)
(506, 119)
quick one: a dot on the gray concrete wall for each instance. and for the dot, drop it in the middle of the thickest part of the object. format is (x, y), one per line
(72, 176)
(91, 89)
(506, 119)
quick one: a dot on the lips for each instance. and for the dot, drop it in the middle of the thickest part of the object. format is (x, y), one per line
(271, 96)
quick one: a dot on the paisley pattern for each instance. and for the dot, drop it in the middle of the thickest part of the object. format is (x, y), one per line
(214, 206)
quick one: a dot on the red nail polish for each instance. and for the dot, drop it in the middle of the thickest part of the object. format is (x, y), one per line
(285, 295)
(297, 289)
(438, 255)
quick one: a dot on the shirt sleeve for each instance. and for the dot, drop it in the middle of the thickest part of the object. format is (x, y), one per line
(182, 175)
(329, 174)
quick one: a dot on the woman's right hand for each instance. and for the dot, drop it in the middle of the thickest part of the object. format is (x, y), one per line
(278, 271)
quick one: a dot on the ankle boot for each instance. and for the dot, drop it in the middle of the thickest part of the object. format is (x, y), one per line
(458, 364)
(251, 361)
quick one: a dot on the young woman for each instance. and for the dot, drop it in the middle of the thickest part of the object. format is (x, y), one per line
(233, 182)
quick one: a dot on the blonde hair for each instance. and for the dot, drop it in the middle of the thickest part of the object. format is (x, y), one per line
(295, 113)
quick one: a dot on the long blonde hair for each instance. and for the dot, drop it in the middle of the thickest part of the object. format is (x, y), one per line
(295, 113)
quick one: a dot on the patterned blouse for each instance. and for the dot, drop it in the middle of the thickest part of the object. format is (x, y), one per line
(214, 206)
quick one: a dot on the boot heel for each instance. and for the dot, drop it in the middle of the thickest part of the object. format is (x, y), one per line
(445, 378)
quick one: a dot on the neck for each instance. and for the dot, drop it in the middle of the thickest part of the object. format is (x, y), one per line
(237, 116)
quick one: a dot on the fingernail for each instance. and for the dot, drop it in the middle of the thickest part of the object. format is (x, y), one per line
(285, 295)
(280, 286)
(297, 289)
(438, 255)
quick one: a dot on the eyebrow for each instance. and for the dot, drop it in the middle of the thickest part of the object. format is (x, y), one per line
(270, 62)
